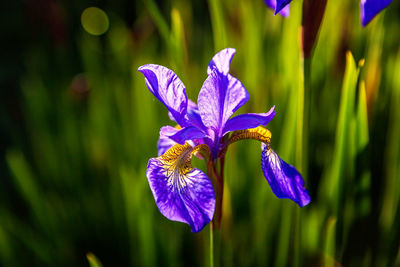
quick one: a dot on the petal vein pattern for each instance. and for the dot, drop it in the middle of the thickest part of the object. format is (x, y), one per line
(284, 180)
(221, 61)
(182, 193)
(219, 97)
(165, 85)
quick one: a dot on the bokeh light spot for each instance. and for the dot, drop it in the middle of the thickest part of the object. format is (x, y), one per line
(95, 21)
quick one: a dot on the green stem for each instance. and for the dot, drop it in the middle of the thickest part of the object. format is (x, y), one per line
(211, 244)
(297, 257)
(307, 114)
(216, 176)
(303, 116)
(303, 141)
(300, 119)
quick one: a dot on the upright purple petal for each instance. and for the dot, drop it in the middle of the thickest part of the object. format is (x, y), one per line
(219, 97)
(284, 180)
(249, 120)
(281, 4)
(182, 193)
(272, 4)
(168, 88)
(221, 61)
(370, 8)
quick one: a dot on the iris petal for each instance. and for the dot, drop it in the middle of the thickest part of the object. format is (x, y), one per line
(280, 4)
(284, 180)
(249, 120)
(221, 61)
(193, 116)
(219, 97)
(370, 8)
(272, 4)
(187, 133)
(164, 142)
(168, 89)
(182, 193)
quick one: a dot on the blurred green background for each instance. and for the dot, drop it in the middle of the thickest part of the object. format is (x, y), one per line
(78, 126)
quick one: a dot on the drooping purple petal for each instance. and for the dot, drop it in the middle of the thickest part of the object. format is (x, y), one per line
(284, 180)
(164, 142)
(249, 120)
(221, 61)
(272, 4)
(280, 4)
(168, 88)
(182, 193)
(219, 97)
(371, 8)
(187, 133)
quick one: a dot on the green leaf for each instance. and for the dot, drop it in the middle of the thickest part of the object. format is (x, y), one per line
(158, 19)
(330, 243)
(341, 168)
(93, 260)
(178, 44)
(218, 24)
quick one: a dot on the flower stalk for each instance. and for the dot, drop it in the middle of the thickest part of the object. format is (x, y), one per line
(211, 244)
(216, 174)
(304, 116)
(313, 13)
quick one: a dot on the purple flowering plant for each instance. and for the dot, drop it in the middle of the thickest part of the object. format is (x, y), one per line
(369, 8)
(184, 193)
(283, 11)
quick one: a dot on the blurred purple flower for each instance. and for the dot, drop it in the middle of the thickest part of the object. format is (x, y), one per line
(284, 12)
(369, 8)
(184, 193)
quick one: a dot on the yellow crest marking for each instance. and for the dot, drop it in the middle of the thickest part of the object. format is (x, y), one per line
(259, 133)
(177, 163)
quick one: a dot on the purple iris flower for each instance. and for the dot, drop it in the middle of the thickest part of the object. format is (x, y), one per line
(369, 8)
(284, 12)
(184, 193)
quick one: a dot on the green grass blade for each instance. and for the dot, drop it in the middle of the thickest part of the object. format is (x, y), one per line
(26, 184)
(93, 260)
(158, 19)
(390, 213)
(336, 175)
(178, 43)
(329, 243)
(218, 24)
(5, 248)
(363, 154)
